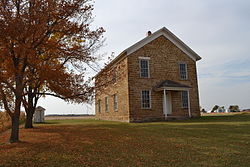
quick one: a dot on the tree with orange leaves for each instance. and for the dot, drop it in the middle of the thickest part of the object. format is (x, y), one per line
(44, 45)
(61, 84)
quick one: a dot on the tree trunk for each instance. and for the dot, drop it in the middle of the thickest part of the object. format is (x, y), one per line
(30, 109)
(15, 128)
(16, 115)
(29, 119)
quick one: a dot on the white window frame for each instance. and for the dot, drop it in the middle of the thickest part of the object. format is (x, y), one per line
(150, 105)
(186, 71)
(147, 60)
(115, 102)
(106, 104)
(185, 104)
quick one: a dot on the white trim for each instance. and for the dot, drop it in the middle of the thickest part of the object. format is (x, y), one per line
(165, 103)
(148, 68)
(170, 36)
(115, 98)
(186, 68)
(150, 103)
(169, 97)
(144, 58)
(184, 107)
(187, 71)
(106, 104)
(176, 88)
(166, 33)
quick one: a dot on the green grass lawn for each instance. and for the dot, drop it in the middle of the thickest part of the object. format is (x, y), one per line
(208, 141)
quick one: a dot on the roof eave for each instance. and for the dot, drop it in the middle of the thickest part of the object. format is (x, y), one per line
(173, 88)
(124, 53)
(168, 34)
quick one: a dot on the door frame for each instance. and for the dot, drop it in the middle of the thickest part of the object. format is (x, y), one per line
(167, 103)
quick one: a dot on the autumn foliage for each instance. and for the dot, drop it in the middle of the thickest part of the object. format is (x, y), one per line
(45, 47)
(5, 121)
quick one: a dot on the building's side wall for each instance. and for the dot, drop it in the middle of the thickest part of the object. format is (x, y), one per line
(164, 65)
(106, 87)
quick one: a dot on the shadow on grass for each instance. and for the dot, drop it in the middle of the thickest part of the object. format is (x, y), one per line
(47, 123)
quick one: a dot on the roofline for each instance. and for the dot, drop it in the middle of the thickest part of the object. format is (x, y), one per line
(166, 33)
(115, 60)
(170, 36)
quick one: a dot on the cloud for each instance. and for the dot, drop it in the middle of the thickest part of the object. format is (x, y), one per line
(217, 30)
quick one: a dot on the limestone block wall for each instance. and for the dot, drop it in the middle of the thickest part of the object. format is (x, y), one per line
(108, 85)
(164, 65)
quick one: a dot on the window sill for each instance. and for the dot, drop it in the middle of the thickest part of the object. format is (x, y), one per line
(146, 108)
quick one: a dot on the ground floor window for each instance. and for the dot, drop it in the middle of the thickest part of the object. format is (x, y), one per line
(115, 102)
(146, 99)
(184, 99)
(106, 104)
(99, 106)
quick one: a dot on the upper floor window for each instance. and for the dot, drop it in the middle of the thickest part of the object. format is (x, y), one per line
(183, 71)
(115, 102)
(99, 106)
(184, 99)
(114, 76)
(146, 99)
(106, 104)
(144, 68)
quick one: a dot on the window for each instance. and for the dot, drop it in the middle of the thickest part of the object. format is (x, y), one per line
(145, 99)
(144, 68)
(99, 106)
(106, 104)
(183, 71)
(184, 99)
(114, 77)
(115, 102)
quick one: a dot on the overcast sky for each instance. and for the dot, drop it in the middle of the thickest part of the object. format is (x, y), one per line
(219, 31)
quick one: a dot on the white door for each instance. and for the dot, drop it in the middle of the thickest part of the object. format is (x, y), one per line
(167, 105)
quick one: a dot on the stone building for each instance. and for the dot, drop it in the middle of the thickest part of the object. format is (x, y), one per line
(155, 79)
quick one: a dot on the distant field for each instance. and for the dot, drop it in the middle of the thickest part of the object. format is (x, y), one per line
(225, 114)
(210, 141)
(68, 117)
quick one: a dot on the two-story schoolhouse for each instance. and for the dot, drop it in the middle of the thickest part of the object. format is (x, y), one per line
(155, 79)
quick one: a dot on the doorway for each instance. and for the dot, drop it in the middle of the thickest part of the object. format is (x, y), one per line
(167, 103)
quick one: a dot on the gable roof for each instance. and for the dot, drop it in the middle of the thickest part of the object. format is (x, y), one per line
(162, 32)
(39, 108)
(170, 36)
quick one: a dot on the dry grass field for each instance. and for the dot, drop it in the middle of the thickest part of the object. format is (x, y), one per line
(210, 141)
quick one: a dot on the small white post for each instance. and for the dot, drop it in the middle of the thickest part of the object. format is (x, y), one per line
(189, 107)
(165, 104)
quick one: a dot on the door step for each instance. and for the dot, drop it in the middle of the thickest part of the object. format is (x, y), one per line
(176, 118)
